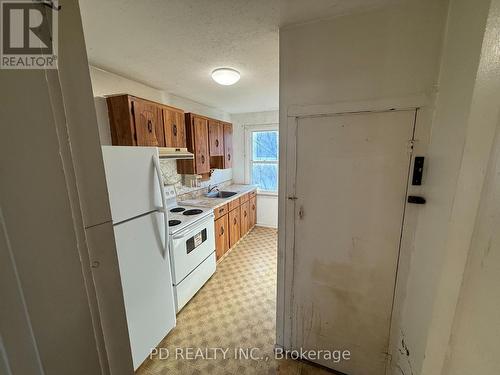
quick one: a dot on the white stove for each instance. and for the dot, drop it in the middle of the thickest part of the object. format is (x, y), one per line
(192, 244)
(179, 216)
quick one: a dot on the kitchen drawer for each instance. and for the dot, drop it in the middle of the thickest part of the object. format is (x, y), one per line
(235, 203)
(244, 198)
(221, 211)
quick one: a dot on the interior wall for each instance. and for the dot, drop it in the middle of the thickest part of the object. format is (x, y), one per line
(106, 83)
(267, 211)
(476, 329)
(45, 210)
(470, 80)
(388, 54)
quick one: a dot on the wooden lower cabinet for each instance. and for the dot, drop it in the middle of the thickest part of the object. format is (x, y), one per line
(234, 226)
(245, 218)
(231, 226)
(253, 212)
(221, 236)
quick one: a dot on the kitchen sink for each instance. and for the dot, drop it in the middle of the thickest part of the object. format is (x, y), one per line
(220, 194)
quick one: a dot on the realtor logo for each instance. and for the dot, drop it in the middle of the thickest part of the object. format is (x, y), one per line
(29, 34)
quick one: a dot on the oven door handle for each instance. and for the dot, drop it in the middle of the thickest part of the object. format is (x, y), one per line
(163, 209)
(194, 228)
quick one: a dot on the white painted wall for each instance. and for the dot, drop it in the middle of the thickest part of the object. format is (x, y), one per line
(106, 83)
(467, 105)
(476, 329)
(53, 189)
(191, 106)
(357, 57)
(267, 205)
(391, 53)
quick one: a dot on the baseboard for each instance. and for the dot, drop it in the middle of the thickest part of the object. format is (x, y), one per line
(266, 226)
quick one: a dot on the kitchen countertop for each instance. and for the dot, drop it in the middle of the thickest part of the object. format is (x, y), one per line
(214, 203)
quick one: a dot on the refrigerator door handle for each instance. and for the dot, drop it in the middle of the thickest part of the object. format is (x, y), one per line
(156, 164)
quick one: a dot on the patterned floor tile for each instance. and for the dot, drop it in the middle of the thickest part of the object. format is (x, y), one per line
(235, 311)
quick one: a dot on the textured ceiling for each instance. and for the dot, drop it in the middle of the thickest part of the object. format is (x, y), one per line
(173, 45)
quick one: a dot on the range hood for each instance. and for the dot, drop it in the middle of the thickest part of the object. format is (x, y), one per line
(174, 153)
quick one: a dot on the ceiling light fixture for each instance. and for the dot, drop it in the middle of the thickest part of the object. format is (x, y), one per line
(226, 76)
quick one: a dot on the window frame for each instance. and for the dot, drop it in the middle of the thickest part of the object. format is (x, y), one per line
(249, 129)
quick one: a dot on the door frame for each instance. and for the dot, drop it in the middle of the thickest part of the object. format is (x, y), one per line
(286, 228)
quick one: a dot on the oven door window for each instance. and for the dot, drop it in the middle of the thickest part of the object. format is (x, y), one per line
(196, 240)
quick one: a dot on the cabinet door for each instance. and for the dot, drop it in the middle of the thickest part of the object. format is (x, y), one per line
(148, 130)
(175, 128)
(253, 211)
(216, 138)
(228, 145)
(221, 236)
(200, 127)
(234, 224)
(245, 218)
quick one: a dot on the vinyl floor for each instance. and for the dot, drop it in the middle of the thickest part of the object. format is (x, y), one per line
(229, 326)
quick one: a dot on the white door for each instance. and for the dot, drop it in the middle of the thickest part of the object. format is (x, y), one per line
(146, 282)
(351, 180)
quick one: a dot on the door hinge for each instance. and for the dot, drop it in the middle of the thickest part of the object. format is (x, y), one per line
(411, 145)
(291, 198)
(388, 357)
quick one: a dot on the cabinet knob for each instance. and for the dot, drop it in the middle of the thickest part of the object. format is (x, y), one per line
(253, 207)
(228, 156)
(150, 126)
(216, 143)
(222, 231)
(202, 159)
(234, 221)
(174, 130)
(245, 213)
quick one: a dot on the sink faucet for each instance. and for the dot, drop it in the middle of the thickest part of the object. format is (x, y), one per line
(210, 188)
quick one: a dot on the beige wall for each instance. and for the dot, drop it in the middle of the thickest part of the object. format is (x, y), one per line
(348, 59)
(390, 54)
(107, 83)
(476, 329)
(44, 213)
(54, 200)
(471, 342)
(457, 156)
(267, 212)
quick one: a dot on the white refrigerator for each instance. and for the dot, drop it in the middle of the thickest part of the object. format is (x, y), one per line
(140, 224)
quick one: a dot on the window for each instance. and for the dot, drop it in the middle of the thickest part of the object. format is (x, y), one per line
(263, 158)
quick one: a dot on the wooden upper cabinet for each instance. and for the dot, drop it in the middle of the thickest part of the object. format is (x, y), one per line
(216, 138)
(210, 141)
(200, 127)
(174, 127)
(228, 144)
(197, 143)
(148, 127)
(139, 122)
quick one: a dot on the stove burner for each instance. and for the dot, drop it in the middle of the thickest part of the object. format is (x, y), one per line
(194, 211)
(173, 223)
(178, 209)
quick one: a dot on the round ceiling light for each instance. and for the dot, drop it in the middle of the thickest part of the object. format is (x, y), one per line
(226, 76)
